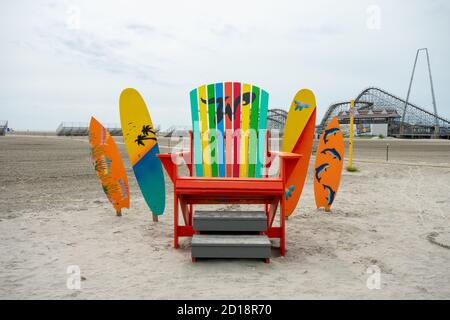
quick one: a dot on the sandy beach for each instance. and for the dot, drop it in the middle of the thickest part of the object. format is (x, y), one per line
(393, 215)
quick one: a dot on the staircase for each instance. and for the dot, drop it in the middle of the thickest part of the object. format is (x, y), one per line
(230, 234)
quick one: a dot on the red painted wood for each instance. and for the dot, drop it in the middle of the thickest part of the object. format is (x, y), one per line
(175, 220)
(273, 232)
(185, 231)
(235, 186)
(194, 199)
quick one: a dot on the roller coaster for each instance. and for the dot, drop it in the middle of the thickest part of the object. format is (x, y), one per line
(276, 119)
(403, 119)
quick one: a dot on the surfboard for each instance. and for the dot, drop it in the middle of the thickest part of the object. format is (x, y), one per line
(298, 138)
(328, 165)
(142, 146)
(109, 166)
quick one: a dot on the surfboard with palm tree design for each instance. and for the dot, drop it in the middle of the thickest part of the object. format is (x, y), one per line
(142, 145)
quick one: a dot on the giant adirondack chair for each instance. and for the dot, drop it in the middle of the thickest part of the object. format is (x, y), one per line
(229, 159)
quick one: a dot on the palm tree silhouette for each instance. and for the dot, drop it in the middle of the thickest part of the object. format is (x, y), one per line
(146, 129)
(140, 139)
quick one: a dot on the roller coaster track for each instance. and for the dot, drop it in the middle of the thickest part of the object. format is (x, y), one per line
(276, 119)
(378, 99)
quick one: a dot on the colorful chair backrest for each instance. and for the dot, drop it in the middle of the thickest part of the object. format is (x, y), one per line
(229, 124)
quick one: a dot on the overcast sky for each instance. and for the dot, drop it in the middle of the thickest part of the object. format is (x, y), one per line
(68, 60)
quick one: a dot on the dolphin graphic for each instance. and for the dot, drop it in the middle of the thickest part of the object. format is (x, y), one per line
(333, 152)
(289, 192)
(330, 132)
(300, 106)
(331, 194)
(320, 169)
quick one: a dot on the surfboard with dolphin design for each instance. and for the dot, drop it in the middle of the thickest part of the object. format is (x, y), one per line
(328, 165)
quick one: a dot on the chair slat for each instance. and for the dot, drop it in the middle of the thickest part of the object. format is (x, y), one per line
(253, 137)
(245, 125)
(196, 133)
(236, 127)
(220, 129)
(212, 129)
(229, 128)
(206, 156)
(262, 137)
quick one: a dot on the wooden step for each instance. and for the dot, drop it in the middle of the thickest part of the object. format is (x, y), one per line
(230, 246)
(230, 221)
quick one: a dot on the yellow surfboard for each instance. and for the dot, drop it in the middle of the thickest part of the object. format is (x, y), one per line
(142, 146)
(302, 107)
(298, 138)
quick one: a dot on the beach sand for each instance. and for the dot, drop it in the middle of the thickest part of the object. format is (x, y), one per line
(392, 215)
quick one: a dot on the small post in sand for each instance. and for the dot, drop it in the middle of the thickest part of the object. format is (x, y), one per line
(350, 167)
(350, 147)
(155, 218)
(387, 152)
(119, 213)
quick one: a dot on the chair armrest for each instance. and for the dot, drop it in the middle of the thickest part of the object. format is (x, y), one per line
(286, 155)
(288, 161)
(171, 161)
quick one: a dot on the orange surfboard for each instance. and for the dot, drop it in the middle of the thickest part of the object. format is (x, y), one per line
(328, 166)
(298, 138)
(109, 166)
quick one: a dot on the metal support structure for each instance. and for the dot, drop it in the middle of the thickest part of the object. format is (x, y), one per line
(402, 128)
(436, 127)
(436, 132)
(350, 146)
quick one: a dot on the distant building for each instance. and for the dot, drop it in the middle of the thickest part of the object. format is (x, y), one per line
(82, 129)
